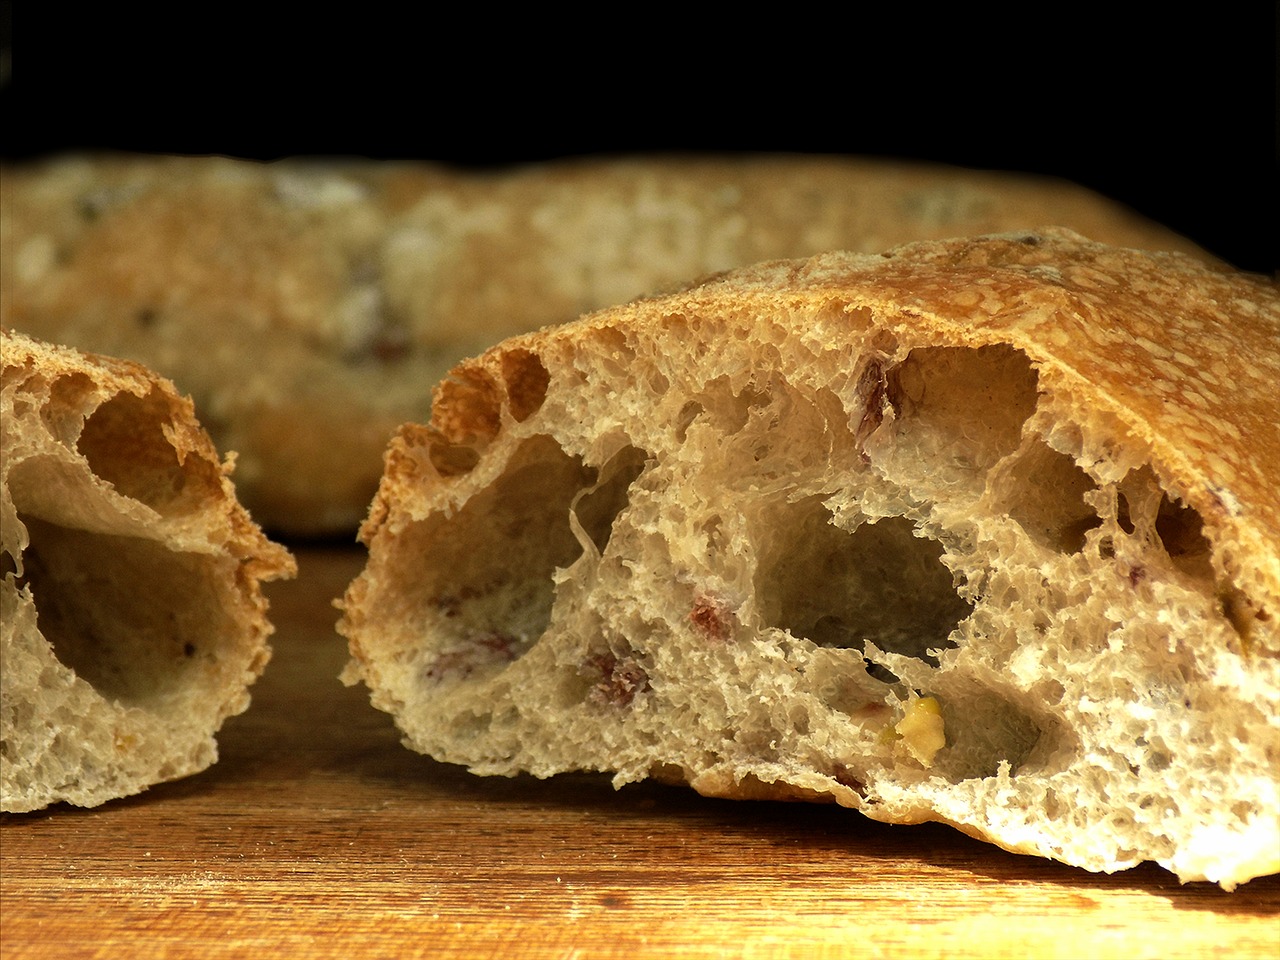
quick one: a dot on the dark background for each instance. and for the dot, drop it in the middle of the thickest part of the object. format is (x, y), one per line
(1176, 119)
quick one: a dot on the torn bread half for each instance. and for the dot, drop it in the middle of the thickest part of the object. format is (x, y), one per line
(305, 304)
(982, 531)
(132, 620)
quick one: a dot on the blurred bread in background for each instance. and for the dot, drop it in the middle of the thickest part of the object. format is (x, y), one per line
(310, 305)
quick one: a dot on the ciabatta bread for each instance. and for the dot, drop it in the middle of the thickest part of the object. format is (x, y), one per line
(982, 531)
(131, 617)
(306, 305)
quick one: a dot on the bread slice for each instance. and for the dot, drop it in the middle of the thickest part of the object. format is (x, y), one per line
(131, 617)
(304, 304)
(982, 531)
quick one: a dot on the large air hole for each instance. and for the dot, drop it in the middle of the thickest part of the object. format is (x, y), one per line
(987, 728)
(490, 584)
(598, 506)
(1159, 519)
(840, 589)
(956, 411)
(133, 619)
(1181, 531)
(527, 380)
(125, 444)
(1045, 492)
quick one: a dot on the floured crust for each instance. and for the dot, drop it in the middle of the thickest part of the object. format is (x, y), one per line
(305, 304)
(133, 617)
(981, 531)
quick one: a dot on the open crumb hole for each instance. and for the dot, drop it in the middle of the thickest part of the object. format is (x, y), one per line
(987, 729)
(527, 380)
(490, 586)
(125, 444)
(597, 506)
(1048, 495)
(1148, 512)
(133, 619)
(840, 589)
(956, 412)
(1181, 532)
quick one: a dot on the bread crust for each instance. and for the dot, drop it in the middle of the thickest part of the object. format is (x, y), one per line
(1066, 451)
(134, 620)
(305, 304)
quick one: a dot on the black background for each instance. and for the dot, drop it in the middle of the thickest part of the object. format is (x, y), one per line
(1176, 117)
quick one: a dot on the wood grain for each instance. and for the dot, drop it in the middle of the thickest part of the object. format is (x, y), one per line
(317, 834)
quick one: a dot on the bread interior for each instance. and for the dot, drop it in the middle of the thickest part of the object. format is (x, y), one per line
(123, 611)
(903, 584)
(138, 622)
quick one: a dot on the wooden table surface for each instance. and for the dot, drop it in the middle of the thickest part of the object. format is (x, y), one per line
(317, 834)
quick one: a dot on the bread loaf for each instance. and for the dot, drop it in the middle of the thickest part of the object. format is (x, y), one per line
(982, 531)
(308, 305)
(131, 617)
